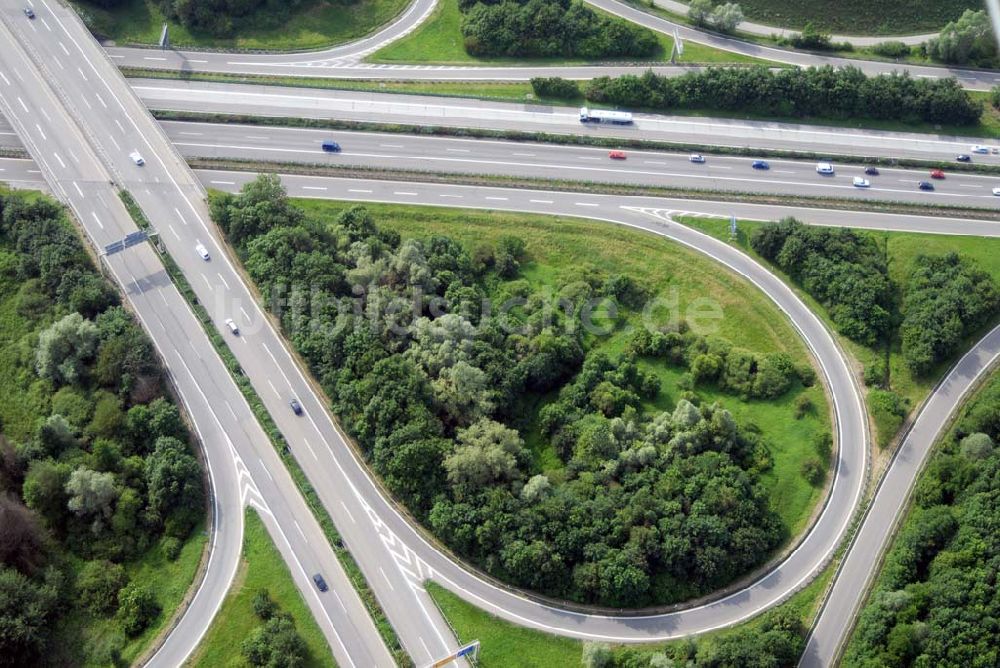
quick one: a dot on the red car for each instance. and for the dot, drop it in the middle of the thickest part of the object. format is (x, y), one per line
(937, 174)
(617, 155)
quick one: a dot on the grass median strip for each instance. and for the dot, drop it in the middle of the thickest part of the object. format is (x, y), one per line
(278, 441)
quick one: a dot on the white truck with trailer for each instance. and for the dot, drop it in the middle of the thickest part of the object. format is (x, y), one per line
(605, 116)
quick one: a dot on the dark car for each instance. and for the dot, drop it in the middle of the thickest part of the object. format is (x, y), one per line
(963, 158)
(926, 185)
(871, 171)
(331, 146)
(296, 406)
(760, 164)
(320, 582)
(29, 12)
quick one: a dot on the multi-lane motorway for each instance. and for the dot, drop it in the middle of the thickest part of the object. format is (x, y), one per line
(79, 127)
(373, 150)
(423, 110)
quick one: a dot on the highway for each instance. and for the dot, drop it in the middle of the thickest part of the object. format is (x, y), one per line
(52, 77)
(548, 161)
(857, 571)
(369, 190)
(80, 128)
(346, 61)
(261, 100)
(580, 163)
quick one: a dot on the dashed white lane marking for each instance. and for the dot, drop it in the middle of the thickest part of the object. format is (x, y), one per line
(386, 578)
(273, 388)
(97, 220)
(408, 194)
(499, 199)
(357, 190)
(348, 512)
(311, 451)
(265, 469)
(223, 280)
(540, 201)
(586, 204)
(313, 188)
(77, 186)
(223, 183)
(303, 533)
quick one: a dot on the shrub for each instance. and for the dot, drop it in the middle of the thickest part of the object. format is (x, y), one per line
(803, 405)
(891, 49)
(995, 97)
(171, 546)
(812, 471)
(555, 87)
(263, 606)
(137, 608)
(889, 410)
(876, 373)
(98, 585)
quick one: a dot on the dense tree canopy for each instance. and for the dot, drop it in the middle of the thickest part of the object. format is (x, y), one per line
(550, 28)
(648, 506)
(947, 298)
(936, 601)
(101, 470)
(846, 271)
(823, 92)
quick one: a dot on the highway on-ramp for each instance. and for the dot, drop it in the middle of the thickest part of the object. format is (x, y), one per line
(346, 61)
(80, 151)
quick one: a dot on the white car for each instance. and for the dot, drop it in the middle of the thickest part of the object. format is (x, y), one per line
(824, 168)
(860, 182)
(137, 158)
(696, 157)
(996, 191)
(202, 251)
(979, 148)
(232, 327)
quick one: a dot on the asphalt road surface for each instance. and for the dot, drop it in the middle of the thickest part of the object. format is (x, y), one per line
(552, 161)
(259, 100)
(857, 570)
(367, 190)
(579, 163)
(346, 61)
(80, 121)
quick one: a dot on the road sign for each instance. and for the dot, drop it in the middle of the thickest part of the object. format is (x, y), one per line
(470, 650)
(131, 239)
(165, 37)
(678, 43)
(732, 227)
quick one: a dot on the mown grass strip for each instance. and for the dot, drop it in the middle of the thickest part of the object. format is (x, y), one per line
(277, 439)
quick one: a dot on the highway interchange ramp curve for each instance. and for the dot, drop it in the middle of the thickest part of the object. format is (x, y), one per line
(346, 60)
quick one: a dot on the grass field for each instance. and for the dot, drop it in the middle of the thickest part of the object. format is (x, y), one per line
(439, 40)
(858, 17)
(319, 24)
(505, 645)
(559, 247)
(903, 248)
(261, 568)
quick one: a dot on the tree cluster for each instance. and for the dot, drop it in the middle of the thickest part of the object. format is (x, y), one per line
(844, 270)
(823, 92)
(224, 18)
(106, 472)
(549, 29)
(936, 602)
(724, 18)
(968, 40)
(276, 643)
(947, 298)
(648, 506)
